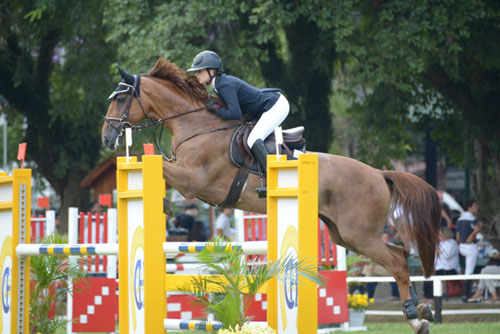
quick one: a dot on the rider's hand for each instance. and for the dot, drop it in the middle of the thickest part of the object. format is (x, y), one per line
(213, 106)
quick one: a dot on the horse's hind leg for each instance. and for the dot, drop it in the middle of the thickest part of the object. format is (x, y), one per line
(402, 277)
(393, 258)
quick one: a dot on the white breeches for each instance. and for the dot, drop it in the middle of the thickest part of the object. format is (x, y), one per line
(470, 252)
(269, 120)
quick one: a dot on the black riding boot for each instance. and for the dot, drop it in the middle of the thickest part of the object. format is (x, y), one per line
(260, 153)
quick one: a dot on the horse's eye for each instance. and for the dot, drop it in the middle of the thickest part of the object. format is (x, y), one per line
(121, 99)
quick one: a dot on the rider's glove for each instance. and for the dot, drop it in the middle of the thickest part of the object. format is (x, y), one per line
(213, 106)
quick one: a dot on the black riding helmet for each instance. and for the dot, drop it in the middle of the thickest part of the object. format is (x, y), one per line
(206, 59)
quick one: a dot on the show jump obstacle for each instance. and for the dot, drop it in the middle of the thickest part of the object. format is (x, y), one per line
(15, 213)
(292, 209)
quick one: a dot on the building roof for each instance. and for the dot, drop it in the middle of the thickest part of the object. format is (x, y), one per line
(105, 167)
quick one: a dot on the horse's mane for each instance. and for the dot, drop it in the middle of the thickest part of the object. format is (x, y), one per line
(165, 70)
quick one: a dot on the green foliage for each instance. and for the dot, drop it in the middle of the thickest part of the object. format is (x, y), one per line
(267, 43)
(46, 271)
(239, 278)
(437, 56)
(54, 68)
(14, 131)
(429, 62)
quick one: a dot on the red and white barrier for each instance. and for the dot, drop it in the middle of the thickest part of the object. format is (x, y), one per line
(253, 227)
(331, 309)
(95, 307)
(43, 225)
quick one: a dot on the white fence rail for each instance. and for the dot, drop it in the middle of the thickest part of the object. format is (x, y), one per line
(438, 292)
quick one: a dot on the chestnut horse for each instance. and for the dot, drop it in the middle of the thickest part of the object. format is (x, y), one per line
(355, 200)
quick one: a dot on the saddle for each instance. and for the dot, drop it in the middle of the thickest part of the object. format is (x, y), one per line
(242, 157)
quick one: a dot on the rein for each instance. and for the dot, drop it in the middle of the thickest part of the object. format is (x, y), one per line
(123, 123)
(193, 136)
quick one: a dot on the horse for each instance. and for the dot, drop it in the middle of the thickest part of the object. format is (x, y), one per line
(355, 200)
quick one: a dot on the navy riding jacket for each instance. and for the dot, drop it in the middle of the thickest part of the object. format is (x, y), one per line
(242, 97)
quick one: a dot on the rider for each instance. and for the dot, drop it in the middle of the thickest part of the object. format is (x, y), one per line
(270, 106)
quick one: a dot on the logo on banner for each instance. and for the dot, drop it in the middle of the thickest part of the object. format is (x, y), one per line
(6, 278)
(138, 284)
(288, 288)
(136, 266)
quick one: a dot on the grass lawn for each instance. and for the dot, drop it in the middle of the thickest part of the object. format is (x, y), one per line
(404, 328)
(449, 328)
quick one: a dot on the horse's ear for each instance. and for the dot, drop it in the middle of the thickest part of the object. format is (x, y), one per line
(128, 78)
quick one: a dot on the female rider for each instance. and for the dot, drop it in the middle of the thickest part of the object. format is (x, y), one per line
(270, 106)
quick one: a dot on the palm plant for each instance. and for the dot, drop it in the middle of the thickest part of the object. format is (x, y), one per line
(236, 280)
(45, 271)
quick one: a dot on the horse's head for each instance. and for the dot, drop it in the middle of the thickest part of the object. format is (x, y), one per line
(163, 95)
(125, 110)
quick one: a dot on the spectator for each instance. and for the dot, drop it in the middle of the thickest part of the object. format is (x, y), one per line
(96, 207)
(492, 267)
(446, 262)
(198, 232)
(187, 219)
(223, 224)
(467, 229)
(447, 257)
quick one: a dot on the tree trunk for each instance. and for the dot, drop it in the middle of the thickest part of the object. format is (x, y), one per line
(306, 80)
(430, 158)
(72, 196)
(486, 186)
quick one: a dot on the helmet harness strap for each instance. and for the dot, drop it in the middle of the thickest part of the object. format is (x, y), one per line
(210, 74)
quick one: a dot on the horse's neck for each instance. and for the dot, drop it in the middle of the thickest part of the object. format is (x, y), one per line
(169, 102)
(193, 124)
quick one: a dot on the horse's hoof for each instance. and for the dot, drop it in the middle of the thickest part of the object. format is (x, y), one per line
(425, 312)
(423, 328)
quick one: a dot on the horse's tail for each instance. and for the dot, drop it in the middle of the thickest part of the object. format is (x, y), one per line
(415, 213)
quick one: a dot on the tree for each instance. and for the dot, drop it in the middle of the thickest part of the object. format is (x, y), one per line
(54, 70)
(442, 58)
(285, 44)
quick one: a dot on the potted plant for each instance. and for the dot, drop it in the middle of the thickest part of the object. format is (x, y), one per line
(358, 303)
(242, 280)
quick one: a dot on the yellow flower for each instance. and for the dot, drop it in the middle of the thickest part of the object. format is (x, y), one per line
(359, 301)
(247, 329)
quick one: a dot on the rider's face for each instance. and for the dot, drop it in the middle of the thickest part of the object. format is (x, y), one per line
(202, 76)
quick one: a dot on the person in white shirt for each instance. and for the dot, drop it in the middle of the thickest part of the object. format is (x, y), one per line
(467, 229)
(447, 256)
(223, 224)
(446, 261)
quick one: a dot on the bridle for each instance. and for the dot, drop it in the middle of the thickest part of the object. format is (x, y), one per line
(123, 123)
